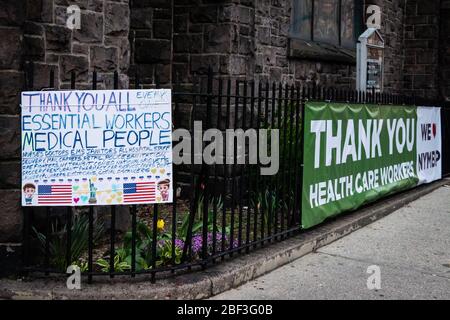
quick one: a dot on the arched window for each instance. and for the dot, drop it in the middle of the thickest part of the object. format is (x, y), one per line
(333, 22)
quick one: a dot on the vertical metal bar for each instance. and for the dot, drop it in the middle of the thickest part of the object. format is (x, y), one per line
(52, 78)
(278, 175)
(47, 240)
(90, 243)
(225, 167)
(72, 80)
(266, 106)
(250, 192)
(187, 249)
(284, 159)
(289, 172)
(193, 204)
(27, 212)
(133, 240)
(116, 80)
(134, 210)
(154, 241)
(136, 79)
(94, 80)
(174, 220)
(302, 155)
(69, 236)
(206, 173)
(112, 229)
(174, 184)
(216, 197)
(69, 209)
(112, 234)
(264, 179)
(91, 213)
(233, 179)
(373, 95)
(271, 184)
(47, 209)
(297, 152)
(242, 167)
(157, 81)
(257, 212)
(30, 67)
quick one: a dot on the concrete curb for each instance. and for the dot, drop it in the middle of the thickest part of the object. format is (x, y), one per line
(223, 276)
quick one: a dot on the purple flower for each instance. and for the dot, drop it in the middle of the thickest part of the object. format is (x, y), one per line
(161, 243)
(179, 243)
(197, 242)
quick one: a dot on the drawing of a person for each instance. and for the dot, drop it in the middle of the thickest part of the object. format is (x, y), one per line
(163, 187)
(29, 190)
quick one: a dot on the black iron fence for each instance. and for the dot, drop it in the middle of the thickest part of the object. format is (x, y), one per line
(218, 210)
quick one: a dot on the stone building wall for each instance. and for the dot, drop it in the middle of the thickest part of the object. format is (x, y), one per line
(101, 44)
(35, 31)
(12, 18)
(392, 29)
(421, 47)
(175, 40)
(273, 60)
(207, 34)
(243, 39)
(444, 59)
(151, 41)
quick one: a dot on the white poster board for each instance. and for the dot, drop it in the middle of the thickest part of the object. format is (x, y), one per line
(429, 144)
(102, 147)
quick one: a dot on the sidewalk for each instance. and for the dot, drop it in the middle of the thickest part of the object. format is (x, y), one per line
(411, 246)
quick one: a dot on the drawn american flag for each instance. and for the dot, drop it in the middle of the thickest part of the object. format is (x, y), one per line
(55, 194)
(139, 192)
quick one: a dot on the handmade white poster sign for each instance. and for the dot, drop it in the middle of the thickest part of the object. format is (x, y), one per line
(429, 144)
(102, 147)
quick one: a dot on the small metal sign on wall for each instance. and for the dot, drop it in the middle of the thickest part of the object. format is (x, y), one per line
(370, 61)
(100, 147)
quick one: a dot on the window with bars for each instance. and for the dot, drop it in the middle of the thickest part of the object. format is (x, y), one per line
(333, 22)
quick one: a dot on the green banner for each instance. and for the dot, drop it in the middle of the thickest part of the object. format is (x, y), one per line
(355, 154)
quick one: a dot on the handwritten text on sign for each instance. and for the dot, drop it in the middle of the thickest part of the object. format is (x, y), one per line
(98, 147)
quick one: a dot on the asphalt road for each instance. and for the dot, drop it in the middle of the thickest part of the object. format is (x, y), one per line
(411, 247)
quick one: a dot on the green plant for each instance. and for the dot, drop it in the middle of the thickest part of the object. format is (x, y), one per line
(198, 217)
(83, 265)
(165, 253)
(143, 252)
(144, 238)
(270, 201)
(79, 242)
(120, 265)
